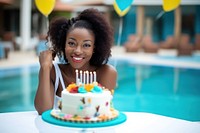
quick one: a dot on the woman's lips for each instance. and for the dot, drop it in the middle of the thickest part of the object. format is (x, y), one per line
(77, 59)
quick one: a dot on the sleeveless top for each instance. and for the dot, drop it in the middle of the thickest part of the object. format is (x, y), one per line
(58, 78)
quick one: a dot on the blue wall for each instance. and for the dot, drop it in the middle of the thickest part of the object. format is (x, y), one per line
(162, 28)
(197, 20)
(129, 24)
(168, 24)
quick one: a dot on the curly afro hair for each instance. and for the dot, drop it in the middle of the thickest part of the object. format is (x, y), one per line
(90, 19)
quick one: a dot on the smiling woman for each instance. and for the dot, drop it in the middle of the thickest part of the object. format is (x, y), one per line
(85, 44)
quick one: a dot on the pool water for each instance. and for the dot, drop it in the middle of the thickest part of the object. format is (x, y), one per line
(17, 88)
(168, 91)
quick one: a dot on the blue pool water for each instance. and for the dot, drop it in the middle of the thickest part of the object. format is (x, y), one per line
(168, 91)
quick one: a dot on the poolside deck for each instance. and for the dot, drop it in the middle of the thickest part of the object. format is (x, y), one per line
(163, 58)
(21, 58)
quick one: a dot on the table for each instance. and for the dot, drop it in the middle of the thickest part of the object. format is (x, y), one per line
(137, 122)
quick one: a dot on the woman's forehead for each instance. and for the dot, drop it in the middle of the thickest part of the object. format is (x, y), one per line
(80, 32)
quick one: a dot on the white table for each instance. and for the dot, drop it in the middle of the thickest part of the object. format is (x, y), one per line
(31, 122)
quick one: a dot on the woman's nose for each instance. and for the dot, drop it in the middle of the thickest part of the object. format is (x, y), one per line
(78, 50)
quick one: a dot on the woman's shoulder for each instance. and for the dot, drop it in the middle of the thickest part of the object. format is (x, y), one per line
(108, 66)
(107, 76)
(107, 69)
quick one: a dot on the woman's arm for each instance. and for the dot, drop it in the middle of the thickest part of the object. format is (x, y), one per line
(44, 98)
(107, 76)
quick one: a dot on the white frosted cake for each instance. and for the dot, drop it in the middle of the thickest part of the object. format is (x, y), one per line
(86, 102)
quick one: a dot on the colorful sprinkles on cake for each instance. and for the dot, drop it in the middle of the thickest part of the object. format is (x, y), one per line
(100, 118)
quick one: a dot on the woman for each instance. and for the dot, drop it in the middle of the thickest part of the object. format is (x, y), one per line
(85, 44)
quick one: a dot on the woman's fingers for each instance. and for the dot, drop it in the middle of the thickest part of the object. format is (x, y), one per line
(53, 52)
(46, 58)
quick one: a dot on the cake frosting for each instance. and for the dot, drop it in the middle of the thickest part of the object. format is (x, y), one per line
(86, 101)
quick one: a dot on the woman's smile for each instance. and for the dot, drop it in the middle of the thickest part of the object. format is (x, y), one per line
(77, 59)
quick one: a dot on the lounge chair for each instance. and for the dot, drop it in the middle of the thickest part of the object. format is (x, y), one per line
(148, 45)
(9, 39)
(133, 43)
(170, 43)
(197, 42)
(3, 52)
(185, 47)
(41, 45)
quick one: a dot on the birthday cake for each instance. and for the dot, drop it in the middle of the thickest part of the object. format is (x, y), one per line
(85, 101)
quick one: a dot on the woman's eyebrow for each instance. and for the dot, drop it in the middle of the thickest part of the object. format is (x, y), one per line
(72, 39)
(76, 40)
(87, 40)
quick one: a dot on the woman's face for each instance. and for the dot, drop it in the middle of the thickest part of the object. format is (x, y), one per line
(79, 47)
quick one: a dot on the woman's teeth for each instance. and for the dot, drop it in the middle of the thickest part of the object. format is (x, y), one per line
(77, 58)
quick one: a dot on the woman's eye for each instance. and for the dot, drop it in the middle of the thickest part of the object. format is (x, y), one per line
(86, 45)
(72, 44)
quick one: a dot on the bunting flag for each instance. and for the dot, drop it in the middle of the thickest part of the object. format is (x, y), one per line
(122, 6)
(169, 5)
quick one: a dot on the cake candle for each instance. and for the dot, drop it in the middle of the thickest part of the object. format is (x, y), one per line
(87, 77)
(77, 82)
(81, 77)
(91, 77)
(84, 77)
(95, 76)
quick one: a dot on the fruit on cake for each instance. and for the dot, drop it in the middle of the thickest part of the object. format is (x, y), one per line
(85, 101)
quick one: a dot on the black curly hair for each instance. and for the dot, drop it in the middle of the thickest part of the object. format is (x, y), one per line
(90, 19)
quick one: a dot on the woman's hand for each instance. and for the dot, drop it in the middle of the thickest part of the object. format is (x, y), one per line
(46, 58)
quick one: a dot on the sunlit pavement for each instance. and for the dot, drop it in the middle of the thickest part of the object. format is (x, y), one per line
(19, 58)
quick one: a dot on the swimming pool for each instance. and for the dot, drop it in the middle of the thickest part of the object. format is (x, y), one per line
(17, 88)
(168, 91)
